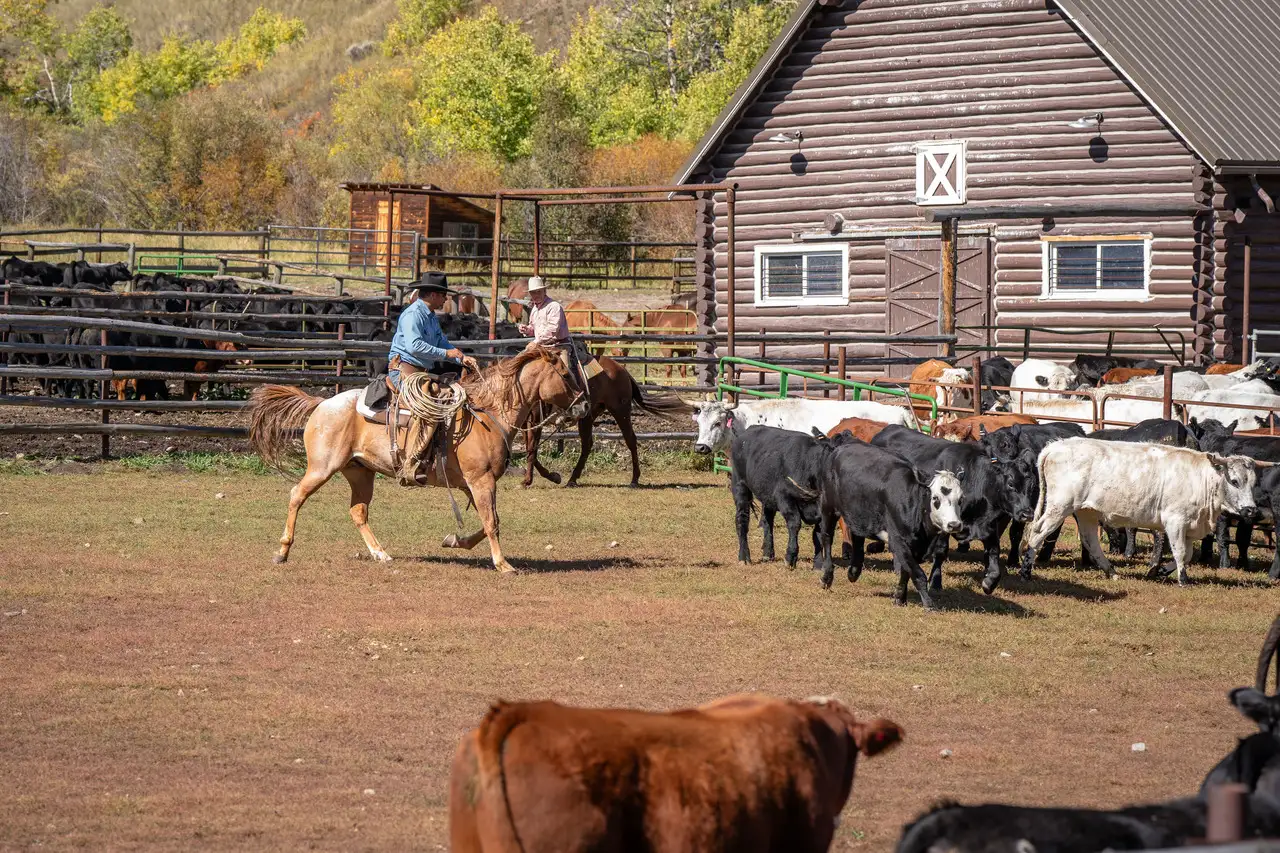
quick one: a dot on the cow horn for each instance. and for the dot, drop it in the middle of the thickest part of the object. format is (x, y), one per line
(731, 405)
(1264, 657)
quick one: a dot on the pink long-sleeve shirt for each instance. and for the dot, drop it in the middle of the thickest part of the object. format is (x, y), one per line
(549, 324)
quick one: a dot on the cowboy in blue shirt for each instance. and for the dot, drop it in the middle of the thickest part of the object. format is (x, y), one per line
(419, 344)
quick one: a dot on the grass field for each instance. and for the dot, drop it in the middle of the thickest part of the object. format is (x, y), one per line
(166, 687)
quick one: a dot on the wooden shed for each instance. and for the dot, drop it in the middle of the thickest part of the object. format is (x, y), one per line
(1104, 162)
(424, 219)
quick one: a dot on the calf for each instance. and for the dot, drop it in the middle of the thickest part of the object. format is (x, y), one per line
(744, 773)
(878, 494)
(783, 471)
(973, 428)
(1039, 373)
(1120, 375)
(994, 493)
(946, 384)
(1138, 485)
(996, 373)
(860, 428)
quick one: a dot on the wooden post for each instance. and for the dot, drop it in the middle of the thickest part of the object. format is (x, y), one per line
(1225, 819)
(182, 244)
(842, 360)
(947, 297)
(417, 255)
(342, 335)
(633, 264)
(391, 221)
(760, 375)
(730, 291)
(1168, 392)
(496, 264)
(4, 338)
(826, 360)
(977, 385)
(1244, 320)
(31, 251)
(264, 234)
(278, 275)
(338, 285)
(99, 242)
(103, 384)
(222, 266)
(537, 237)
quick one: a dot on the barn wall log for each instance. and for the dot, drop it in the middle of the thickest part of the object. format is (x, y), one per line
(865, 82)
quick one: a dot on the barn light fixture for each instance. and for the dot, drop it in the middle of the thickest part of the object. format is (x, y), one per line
(1085, 122)
(796, 136)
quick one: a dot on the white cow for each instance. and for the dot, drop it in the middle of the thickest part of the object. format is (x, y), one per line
(1253, 392)
(1081, 410)
(1040, 373)
(793, 413)
(1173, 489)
(1185, 384)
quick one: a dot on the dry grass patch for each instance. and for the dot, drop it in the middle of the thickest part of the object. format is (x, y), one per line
(169, 688)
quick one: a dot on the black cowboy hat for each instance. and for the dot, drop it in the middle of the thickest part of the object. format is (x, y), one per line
(432, 282)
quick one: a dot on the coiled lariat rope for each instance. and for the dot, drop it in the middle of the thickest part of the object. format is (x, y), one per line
(415, 396)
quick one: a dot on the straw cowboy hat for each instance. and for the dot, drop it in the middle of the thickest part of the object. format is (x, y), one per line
(536, 283)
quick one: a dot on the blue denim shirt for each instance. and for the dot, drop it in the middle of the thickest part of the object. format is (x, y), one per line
(419, 339)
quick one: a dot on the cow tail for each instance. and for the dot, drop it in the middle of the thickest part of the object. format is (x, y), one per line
(275, 413)
(1268, 652)
(1040, 501)
(495, 823)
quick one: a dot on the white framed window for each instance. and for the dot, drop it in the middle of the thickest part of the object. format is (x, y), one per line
(809, 274)
(464, 237)
(940, 172)
(1096, 267)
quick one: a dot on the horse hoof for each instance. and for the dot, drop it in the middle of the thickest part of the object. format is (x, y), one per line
(989, 585)
(382, 557)
(505, 568)
(278, 559)
(554, 478)
(450, 541)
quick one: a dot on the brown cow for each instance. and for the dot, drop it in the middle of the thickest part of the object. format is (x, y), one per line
(742, 773)
(924, 380)
(1222, 369)
(967, 429)
(859, 428)
(1120, 375)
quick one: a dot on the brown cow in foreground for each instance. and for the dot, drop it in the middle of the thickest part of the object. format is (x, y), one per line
(1121, 375)
(970, 429)
(742, 773)
(859, 428)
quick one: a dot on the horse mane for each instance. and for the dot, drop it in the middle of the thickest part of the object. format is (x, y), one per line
(495, 386)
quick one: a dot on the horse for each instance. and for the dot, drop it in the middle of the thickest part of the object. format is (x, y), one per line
(339, 440)
(614, 390)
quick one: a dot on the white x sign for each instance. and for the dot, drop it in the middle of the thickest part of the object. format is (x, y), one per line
(940, 172)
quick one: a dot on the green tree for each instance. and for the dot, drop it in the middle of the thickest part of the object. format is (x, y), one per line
(479, 81)
(417, 20)
(379, 98)
(617, 104)
(99, 41)
(259, 39)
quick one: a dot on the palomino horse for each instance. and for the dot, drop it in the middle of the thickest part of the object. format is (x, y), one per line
(339, 440)
(613, 390)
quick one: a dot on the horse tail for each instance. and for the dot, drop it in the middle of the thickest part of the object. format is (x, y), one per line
(275, 413)
(663, 405)
(1269, 647)
(496, 823)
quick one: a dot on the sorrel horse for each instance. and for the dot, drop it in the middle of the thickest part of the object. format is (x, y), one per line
(613, 390)
(339, 440)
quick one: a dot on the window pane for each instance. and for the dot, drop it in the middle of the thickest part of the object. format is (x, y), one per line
(1075, 266)
(783, 276)
(1123, 265)
(824, 274)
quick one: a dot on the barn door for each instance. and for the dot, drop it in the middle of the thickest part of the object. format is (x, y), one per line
(913, 291)
(384, 207)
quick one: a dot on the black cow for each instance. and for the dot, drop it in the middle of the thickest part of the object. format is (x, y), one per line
(995, 493)
(1253, 763)
(101, 276)
(880, 495)
(1215, 437)
(47, 275)
(996, 373)
(783, 470)
(1090, 369)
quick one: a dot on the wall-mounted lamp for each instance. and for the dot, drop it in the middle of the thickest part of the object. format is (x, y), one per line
(1086, 122)
(796, 136)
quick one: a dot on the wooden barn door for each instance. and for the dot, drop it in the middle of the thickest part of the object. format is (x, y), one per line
(385, 209)
(913, 290)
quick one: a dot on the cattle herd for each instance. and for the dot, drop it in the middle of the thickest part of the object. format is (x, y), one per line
(866, 470)
(755, 773)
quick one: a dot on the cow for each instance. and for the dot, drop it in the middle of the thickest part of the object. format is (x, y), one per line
(744, 773)
(1120, 375)
(1083, 411)
(783, 471)
(996, 373)
(1039, 373)
(794, 413)
(1174, 489)
(994, 493)
(877, 494)
(45, 274)
(100, 276)
(860, 428)
(1251, 392)
(973, 428)
(1089, 369)
(1222, 368)
(1178, 823)
(1185, 384)
(947, 385)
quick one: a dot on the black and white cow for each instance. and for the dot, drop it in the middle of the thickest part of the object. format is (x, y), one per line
(783, 470)
(880, 495)
(995, 493)
(996, 372)
(1174, 489)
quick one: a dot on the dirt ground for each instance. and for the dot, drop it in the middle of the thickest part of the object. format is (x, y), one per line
(165, 687)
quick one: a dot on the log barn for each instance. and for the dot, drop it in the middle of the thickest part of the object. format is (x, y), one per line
(1105, 165)
(448, 228)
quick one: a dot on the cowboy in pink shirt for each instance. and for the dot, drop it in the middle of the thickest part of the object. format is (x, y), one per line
(547, 325)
